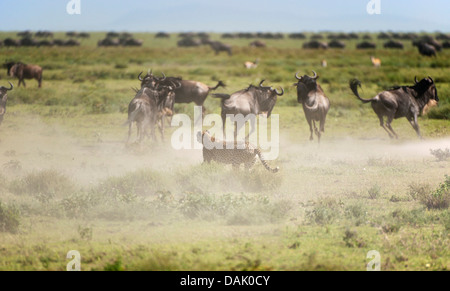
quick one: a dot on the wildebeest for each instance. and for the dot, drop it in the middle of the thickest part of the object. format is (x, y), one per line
(218, 47)
(392, 44)
(8, 42)
(189, 91)
(426, 49)
(162, 35)
(108, 42)
(146, 108)
(404, 101)
(3, 99)
(297, 35)
(314, 44)
(336, 44)
(366, 45)
(131, 42)
(189, 42)
(23, 71)
(252, 100)
(257, 43)
(314, 102)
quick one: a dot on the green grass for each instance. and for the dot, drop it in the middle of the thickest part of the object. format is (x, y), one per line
(68, 182)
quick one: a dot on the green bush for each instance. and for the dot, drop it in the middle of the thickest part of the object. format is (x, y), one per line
(9, 218)
(440, 198)
(43, 185)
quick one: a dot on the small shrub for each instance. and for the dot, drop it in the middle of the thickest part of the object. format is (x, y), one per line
(44, 185)
(324, 212)
(441, 155)
(390, 227)
(440, 198)
(9, 218)
(374, 192)
(417, 190)
(352, 240)
(85, 232)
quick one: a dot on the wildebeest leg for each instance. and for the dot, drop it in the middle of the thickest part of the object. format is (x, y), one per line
(388, 124)
(252, 129)
(415, 125)
(23, 82)
(311, 137)
(161, 128)
(129, 131)
(382, 125)
(316, 130)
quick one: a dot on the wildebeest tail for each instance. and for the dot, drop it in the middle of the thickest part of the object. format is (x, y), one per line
(273, 170)
(132, 115)
(354, 83)
(221, 96)
(219, 84)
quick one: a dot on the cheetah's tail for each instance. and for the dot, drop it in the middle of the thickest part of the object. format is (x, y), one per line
(273, 170)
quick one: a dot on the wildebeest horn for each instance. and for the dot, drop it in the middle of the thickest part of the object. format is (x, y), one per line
(163, 77)
(315, 75)
(432, 81)
(297, 77)
(282, 92)
(149, 72)
(260, 84)
(11, 86)
(415, 80)
(139, 77)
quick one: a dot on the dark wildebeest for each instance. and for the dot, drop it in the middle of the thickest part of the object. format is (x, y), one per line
(3, 99)
(145, 109)
(426, 49)
(252, 100)
(366, 45)
(189, 91)
(336, 44)
(218, 47)
(162, 35)
(108, 42)
(8, 42)
(392, 44)
(131, 42)
(23, 71)
(405, 101)
(315, 103)
(315, 45)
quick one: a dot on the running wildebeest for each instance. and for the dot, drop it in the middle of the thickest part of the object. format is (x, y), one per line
(146, 108)
(218, 47)
(23, 71)
(189, 91)
(404, 101)
(3, 99)
(315, 103)
(252, 100)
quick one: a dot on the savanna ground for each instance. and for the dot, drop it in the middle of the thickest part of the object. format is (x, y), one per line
(68, 182)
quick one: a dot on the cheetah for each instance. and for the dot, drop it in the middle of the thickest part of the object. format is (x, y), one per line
(216, 150)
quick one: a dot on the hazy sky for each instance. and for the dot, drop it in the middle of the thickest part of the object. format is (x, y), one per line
(225, 15)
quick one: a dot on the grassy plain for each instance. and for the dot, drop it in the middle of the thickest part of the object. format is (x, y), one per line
(68, 182)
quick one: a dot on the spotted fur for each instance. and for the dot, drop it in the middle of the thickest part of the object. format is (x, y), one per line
(217, 151)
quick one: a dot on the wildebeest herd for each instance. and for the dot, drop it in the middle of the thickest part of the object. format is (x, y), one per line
(155, 99)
